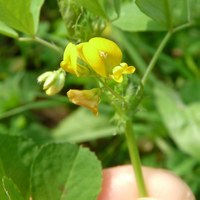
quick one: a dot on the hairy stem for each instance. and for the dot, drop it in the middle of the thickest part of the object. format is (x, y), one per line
(41, 41)
(130, 138)
(155, 57)
(135, 158)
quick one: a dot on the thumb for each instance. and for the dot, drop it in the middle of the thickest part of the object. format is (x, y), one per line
(119, 183)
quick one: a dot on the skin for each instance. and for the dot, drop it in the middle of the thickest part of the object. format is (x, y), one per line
(119, 184)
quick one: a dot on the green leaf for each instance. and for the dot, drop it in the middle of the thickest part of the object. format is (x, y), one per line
(194, 10)
(16, 157)
(6, 30)
(179, 12)
(94, 127)
(169, 13)
(35, 11)
(132, 19)
(117, 6)
(158, 10)
(21, 15)
(188, 91)
(11, 190)
(16, 14)
(64, 171)
(182, 121)
(92, 6)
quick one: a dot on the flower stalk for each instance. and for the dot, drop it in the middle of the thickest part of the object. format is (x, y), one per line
(135, 158)
(42, 42)
(155, 57)
(131, 140)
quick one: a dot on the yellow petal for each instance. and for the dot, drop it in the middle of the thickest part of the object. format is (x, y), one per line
(118, 72)
(129, 70)
(87, 98)
(114, 54)
(118, 79)
(102, 55)
(93, 58)
(69, 62)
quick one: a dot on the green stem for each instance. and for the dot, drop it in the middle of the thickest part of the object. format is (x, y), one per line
(155, 57)
(135, 159)
(160, 48)
(41, 41)
(188, 11)
(181, 27)
(131, 141)
(111, 91)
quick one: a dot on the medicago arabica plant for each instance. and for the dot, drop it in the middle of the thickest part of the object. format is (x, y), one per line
(101, 59)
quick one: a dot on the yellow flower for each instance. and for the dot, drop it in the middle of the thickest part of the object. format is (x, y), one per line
(70, 62)
(118, 72)
(102, 55)
(87, 98)
(97, 56)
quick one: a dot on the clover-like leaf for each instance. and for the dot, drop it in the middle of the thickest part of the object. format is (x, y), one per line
(64, 171)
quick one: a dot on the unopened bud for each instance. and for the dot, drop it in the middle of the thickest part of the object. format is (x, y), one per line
(49, 80)
(57, 85)
(53, 81)
(43, 77)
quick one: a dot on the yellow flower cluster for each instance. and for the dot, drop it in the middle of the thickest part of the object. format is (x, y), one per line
(98, 57)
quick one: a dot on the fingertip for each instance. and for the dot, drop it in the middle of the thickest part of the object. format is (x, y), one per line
(119, 183)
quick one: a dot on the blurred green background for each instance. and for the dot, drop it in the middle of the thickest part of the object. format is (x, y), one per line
(167, 123)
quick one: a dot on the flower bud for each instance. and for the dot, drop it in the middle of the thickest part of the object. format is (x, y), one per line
(53, 81)
(118, 71)
(87, 98)
(49, 80)
(43, 76)
(57, 86)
